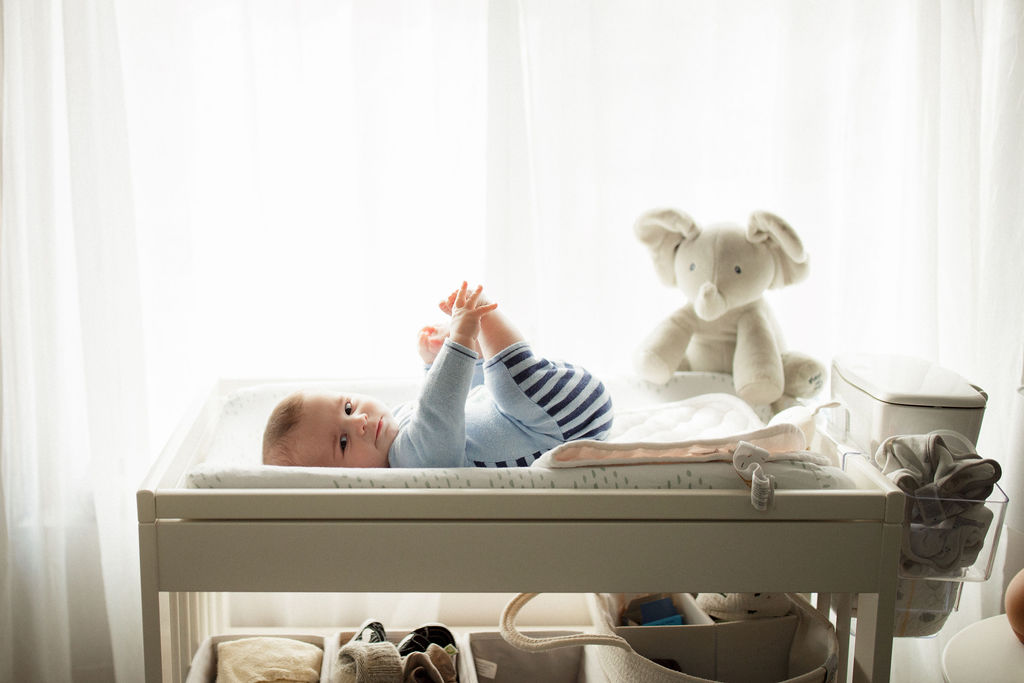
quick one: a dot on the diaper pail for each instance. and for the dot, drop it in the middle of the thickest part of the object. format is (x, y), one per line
(888, 395)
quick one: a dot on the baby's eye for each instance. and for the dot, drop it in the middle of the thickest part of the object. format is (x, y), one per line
(738, 270)
(348, 407)
(693, 266)
(343, 441)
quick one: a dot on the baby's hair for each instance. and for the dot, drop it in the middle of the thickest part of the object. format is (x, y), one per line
(282, 419)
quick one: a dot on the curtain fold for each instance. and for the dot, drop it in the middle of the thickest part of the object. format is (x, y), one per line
(110, 316)
(74, 404)
(199, 189)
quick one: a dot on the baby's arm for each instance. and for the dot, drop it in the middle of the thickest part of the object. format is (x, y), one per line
(467, 310)
(496, 331)
(433, 432)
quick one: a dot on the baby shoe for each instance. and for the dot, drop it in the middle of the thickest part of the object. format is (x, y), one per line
(370, 632)
(420, 639)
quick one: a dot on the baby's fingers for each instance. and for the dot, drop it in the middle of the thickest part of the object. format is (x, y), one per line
(487, 308)
(460, 296)
(478, 312)
(472, 298)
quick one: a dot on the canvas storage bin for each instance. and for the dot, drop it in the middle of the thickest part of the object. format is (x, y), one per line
(800, 647)
(486, 657)
(332, 673)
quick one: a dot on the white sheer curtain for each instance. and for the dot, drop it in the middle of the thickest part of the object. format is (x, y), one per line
(887, 133)
(196, 189)
(74, 438)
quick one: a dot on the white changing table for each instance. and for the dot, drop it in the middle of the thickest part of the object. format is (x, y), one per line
(197, 543)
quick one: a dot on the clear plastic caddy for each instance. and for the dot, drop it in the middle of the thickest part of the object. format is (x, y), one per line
(966, 551)
(939, 552)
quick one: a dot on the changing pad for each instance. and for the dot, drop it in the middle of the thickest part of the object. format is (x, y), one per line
(684, 441)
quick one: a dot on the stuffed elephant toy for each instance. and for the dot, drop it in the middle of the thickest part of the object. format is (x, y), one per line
(727, 326)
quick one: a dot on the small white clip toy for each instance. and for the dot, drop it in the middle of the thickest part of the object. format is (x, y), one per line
(748, 460)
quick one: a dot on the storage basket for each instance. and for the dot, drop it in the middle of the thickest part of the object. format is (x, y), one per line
(332, 672)
(485, 657)
(800, 647)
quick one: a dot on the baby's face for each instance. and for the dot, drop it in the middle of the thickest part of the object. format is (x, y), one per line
(343, 430)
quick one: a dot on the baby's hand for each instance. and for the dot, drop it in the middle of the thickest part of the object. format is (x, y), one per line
(431, 338)
(466, 310)
(429, 341)
(446, 304)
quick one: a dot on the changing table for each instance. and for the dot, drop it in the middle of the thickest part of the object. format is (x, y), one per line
(197, 543)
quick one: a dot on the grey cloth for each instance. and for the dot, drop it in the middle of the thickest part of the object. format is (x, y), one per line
(947, 546)
(939, 466)
(433, 666)
(360, 662)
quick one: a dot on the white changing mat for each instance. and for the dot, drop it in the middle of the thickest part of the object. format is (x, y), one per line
(232, 456)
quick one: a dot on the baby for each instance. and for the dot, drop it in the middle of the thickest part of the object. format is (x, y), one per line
(526, 405)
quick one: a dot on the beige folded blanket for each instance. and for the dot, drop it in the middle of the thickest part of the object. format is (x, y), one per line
(268, 660)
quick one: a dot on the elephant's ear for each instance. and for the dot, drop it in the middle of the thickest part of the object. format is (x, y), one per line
(662, 231)
(791, 261)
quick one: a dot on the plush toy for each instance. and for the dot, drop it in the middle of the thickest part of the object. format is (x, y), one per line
(727, 326)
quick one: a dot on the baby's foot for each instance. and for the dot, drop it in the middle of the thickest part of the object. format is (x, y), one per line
(429, 341)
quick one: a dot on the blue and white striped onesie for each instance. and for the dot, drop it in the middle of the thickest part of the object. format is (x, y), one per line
(526, 405)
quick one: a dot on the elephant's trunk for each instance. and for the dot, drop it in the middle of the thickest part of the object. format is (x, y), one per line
(710, 303)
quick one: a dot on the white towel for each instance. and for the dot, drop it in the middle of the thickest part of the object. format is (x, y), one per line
(268, 659)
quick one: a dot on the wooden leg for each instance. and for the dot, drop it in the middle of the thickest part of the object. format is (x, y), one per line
(842, 605)
(875, 616)
(150, 604)
(824, 603)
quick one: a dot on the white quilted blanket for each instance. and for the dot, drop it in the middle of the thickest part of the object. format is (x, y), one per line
(681, 444)
(707, 428)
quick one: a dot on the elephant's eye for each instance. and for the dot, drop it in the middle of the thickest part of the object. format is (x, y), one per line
(693, 266)
(738, 270)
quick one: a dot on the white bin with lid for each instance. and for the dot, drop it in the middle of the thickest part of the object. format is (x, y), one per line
(888, 395)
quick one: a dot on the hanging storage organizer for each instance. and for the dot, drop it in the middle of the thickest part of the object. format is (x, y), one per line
(918, 423)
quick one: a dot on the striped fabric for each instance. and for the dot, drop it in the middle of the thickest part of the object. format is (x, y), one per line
(518, 462)
(573, 398)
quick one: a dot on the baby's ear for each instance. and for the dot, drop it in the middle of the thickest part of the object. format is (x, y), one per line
(278, 457)
(662, 231)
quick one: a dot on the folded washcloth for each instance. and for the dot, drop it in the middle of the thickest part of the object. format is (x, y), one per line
(433, 666)
(360, 662)
(944, 548)
(268, 659)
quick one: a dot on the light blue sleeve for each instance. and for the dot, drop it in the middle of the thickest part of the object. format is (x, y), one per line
(478, 372)
(432, 432)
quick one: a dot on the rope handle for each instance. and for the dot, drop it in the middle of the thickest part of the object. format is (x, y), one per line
(514, 637)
